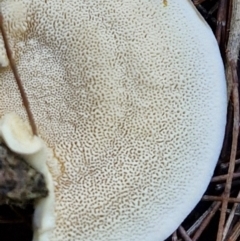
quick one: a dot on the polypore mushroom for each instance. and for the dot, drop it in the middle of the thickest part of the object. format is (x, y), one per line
(130, 96)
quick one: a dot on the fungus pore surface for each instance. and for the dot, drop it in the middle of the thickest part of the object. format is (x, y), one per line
(130, 96)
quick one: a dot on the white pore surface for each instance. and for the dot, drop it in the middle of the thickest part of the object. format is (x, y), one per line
(131, 97)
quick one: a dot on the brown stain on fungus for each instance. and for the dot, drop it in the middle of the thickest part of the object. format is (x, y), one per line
(112, 116)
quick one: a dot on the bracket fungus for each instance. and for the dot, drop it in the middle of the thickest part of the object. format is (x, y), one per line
(130, 98)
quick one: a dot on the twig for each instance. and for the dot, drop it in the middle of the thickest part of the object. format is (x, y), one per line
(184, 234)
(221, 22)
(230, 13)
(232, 55)
(235, 95)
(201, 219)
(174, 236)
(221, 199)
(236, 233)
(197, 2)
(224, 177)
(206, 221)
(226, 194)
(17, 78)
(233, 46)
(230, 218)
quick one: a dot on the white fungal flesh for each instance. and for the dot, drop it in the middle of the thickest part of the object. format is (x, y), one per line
(3, 56)
(131, 97)
(18, 136)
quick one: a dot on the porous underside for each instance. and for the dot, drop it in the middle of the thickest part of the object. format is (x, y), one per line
(134, 110)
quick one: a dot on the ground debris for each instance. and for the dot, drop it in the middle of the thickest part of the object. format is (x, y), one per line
(19, 182)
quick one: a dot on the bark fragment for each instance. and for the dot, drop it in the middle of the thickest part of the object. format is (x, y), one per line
(19, 182)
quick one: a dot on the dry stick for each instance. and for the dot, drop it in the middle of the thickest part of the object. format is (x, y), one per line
(232, 58)
(226, 194)
(233, 153)
(197, 2)
(224, 177)
(221, 199)
(174, 236)
(230, 218)
(184, 234)
(236, 233)
(233, 65)
(17, 78)
(201, 219)
(206, 221)
(204, 218)
(231, 14)
(233, 46)
(221, 21)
